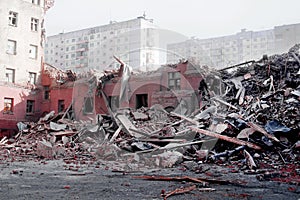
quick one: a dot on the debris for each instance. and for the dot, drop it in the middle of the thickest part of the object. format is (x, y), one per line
(250, 160)
(226, 138)
(139, 116)
(179, 191)
(250, 118)
(57, 127)
(45, 149)
(168, 159)
(127, 125)
(257, 128)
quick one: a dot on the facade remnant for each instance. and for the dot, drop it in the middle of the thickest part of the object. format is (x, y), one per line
(21, 62)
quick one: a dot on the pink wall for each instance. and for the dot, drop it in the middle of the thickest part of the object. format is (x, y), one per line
(20, 97)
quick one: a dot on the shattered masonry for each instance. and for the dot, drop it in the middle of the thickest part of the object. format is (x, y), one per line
(248, 119)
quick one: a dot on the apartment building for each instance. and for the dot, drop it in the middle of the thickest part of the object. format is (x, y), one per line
(133, 41)
(229, 50)
(21, 56)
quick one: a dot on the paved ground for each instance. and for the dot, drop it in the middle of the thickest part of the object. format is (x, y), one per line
(56, 180)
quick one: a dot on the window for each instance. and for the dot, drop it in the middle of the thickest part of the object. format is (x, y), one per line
(88, 105)
(30, 106)
(141, 100)
(174, 80)
(11, 47)
(36, 2)
(10, 75)
(8, 105)
(61, 105)
(46, 92)
(13, 18)
(32, 51)
(32, 78)
(34, 24)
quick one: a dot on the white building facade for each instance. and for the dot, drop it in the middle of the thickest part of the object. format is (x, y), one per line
(229, 50)
(21, 40)
(133, 41)
(21, 59)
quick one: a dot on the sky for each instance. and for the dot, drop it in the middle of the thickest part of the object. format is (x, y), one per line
(192, 18)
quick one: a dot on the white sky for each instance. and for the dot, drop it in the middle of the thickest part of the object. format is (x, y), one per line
(200, 18)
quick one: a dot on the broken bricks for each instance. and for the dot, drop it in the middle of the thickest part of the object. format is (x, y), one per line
(254, 122)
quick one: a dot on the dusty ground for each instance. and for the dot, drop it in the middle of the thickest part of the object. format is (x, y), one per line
(58, 180)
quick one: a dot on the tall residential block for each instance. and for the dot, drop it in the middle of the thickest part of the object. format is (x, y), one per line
(225, 51)
(133, 41)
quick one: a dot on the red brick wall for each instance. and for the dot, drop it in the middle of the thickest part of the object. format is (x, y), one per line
(56, 94)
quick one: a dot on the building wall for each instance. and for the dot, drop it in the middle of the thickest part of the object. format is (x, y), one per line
(286, 36)
(94, 48)
(229, 50)
(24, 37)
(154, 86)
(21, 61)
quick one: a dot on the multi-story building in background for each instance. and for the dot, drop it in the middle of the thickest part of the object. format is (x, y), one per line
(133, 41)
(229, 50)
(21, 58)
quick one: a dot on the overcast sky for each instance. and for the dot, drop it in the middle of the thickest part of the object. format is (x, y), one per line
(200, 18)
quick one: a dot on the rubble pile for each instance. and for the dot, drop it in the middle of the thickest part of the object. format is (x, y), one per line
(252, 124)
(269, 88)
(51, 137)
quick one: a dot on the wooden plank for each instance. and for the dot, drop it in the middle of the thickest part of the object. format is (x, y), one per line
(63, 133)
(185, 118)
(226, 138)
(225, 103)
(162, 140)
(140, 132)
(173, 146)
(115, 134)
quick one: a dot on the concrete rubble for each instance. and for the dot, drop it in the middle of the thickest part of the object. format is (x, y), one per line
(250, 123)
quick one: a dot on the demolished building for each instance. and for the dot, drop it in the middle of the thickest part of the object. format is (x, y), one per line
(248, 122)
(169, 86)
